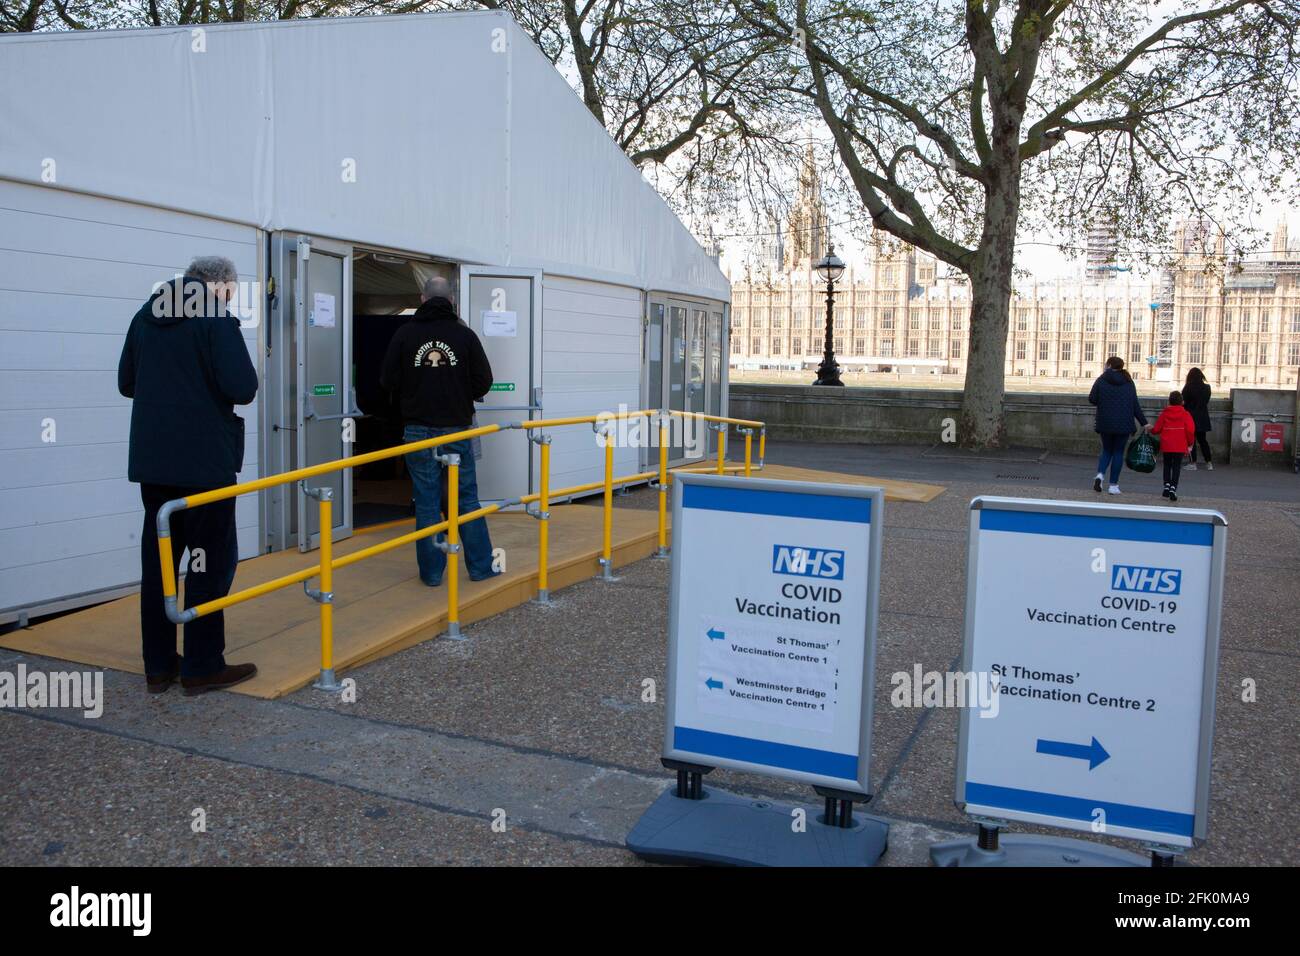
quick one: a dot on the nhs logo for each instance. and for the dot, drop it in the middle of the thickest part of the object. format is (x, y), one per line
(1131, 577)
(808, 562)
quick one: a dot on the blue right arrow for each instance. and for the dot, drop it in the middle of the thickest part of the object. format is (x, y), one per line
(712, 684)
(1094, 753)
(715, 634)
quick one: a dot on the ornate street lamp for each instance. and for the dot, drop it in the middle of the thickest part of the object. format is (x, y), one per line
(830, 269)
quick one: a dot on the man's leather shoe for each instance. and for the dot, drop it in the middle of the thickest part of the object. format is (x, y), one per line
(232, 674)
(158, 683)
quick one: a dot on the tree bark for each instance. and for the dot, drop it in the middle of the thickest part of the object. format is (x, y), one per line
(981, 424)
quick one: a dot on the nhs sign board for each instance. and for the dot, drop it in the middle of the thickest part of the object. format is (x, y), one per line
(806, 562)
(1132, 577)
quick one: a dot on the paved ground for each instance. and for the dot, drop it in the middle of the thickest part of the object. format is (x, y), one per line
(536, 723)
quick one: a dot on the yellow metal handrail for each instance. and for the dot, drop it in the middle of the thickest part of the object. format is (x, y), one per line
(327, 564)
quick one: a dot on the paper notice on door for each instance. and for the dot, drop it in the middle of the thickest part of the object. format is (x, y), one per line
(500, 324)
(322, 311)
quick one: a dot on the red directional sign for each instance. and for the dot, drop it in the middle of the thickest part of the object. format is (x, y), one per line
(1270, 437)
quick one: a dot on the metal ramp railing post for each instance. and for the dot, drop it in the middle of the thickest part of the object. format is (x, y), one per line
(325, 595)
(543, 516)
(451, 546)
(662, 483)
(749, 447)
(605, 430)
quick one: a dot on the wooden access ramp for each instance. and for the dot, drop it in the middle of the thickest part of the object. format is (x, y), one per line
(380, 604)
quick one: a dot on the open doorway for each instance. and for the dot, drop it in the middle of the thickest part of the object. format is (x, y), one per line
(385, 293)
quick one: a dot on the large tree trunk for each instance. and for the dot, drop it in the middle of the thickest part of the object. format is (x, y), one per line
(981, 424)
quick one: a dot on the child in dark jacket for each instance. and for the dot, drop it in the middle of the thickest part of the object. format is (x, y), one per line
(1177, 431)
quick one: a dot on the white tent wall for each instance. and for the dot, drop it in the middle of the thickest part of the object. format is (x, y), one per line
(125, 153)
(415, 108)
(610, 221)
(73, 271)
(136, 114)
(592, 342)
(444, 134)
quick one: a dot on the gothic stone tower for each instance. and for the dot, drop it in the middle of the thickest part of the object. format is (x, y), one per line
(806, 231)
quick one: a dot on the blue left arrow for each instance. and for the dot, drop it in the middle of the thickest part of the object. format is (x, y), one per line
(712, 684)
(715, 634)
(1094, 753)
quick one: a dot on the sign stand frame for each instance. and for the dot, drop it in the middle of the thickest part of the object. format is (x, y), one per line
(690, 778)
(990, 848)
(839, 805)
(691, 823)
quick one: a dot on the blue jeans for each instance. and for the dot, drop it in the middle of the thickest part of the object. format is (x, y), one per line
(426, 476)
(1112, 453)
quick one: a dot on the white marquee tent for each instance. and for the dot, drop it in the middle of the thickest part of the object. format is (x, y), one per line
(447, 138)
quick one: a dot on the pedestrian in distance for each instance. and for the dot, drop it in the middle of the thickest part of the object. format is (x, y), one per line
(1177, 432)
(1196, 399)
(185, 367)
(437, 365)
(1116, 399)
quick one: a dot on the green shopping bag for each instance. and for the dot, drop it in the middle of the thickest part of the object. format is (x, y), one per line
(1141, 454)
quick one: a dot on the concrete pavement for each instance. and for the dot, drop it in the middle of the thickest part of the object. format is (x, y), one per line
(533, 741)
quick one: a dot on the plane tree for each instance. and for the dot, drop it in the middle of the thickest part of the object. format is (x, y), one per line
(960, 123)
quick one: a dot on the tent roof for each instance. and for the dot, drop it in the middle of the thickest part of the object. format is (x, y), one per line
(444, 134)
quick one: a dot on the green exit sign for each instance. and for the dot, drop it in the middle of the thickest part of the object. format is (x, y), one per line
(503, 386)
(322, 389)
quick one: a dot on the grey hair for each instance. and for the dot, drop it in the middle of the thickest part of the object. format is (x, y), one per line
(436, 287)
(213, 269)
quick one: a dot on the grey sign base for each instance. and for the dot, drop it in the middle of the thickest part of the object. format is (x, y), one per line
(726, 830)
(1027, 849)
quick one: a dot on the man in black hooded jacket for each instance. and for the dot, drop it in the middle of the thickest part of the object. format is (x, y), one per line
(185, 366)
(438, 367)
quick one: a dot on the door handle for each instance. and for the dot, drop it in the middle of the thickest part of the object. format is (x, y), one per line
(309, 412)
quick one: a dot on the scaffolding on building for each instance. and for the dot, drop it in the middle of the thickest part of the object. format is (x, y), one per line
(1165, 329)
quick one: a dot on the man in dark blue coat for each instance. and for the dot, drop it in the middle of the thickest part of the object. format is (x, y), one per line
(1116, 399)
(185, 366)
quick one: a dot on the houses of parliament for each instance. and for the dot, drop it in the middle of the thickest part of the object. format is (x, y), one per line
(903, 311)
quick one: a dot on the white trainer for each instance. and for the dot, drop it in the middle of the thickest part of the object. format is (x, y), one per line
(1190, 466)
(1114, 490)
(1209, 466)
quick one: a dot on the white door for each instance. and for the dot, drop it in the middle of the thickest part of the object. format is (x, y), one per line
(715, 340)
(676, 375)
(653, 375)
(684, 360)
(504, 308)
(322, 323)
(698, 438)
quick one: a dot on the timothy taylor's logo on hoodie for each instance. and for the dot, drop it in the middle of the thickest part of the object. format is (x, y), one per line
(434, 354)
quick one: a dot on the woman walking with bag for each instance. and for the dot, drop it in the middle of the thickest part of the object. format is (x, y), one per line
(1115, 396)
(1196, 400)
